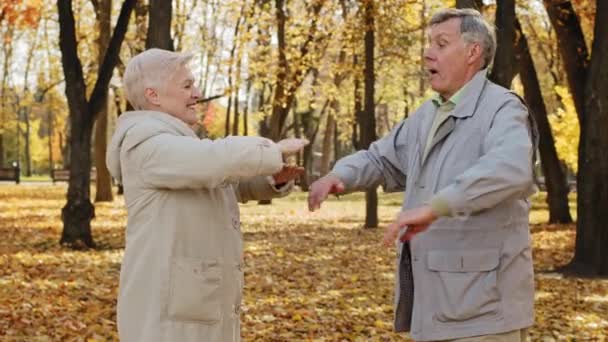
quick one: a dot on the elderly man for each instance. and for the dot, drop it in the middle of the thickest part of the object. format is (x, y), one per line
(464, 159)
(182, 273)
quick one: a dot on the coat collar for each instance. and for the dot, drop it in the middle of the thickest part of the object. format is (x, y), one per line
(468, 99)
(168, 119)
(466, 103)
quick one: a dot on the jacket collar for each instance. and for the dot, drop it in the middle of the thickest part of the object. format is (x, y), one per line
(173, 122)
(467, 102)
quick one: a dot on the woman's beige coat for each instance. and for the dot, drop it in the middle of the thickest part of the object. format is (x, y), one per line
(182, 274)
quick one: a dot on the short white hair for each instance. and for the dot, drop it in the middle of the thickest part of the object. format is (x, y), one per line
(150, 69)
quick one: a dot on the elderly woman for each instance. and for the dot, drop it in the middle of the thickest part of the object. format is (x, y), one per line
(182, 273)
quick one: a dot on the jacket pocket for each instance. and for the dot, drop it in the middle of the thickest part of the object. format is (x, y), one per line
(194, 292)
(464, 285)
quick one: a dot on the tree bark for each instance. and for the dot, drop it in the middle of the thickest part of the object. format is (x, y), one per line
(103, 191)
(591, 254)
(555, 179)
(78, 211)
(7, 48)
(368, 120)
(159, 25)
(26, 110)
(246, 109)
(503, 70)
(327, 141)
(572, 47)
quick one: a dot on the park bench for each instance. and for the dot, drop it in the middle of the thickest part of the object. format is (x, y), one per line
(10, 174)
(62, 175)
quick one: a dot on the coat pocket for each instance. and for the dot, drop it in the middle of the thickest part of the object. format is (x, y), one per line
(194, 292)
(464, 285)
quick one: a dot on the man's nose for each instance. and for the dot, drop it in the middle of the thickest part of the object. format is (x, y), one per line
(428, 54)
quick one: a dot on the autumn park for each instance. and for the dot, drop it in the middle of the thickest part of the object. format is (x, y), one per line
(344, 75)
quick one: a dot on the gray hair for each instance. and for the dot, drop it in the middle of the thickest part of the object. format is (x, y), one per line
(150, 69)
(473, 28)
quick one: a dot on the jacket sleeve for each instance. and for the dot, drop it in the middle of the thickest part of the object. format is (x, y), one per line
(260, 188)
(504, 171)
(382, 164)
(176, 162)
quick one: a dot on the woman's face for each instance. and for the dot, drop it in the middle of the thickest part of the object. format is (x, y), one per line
(179, 96)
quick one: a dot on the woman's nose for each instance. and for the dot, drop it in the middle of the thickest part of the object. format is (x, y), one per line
(196, 93)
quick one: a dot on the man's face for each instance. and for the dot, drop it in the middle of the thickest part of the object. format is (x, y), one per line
(447, 58)
(179, 96)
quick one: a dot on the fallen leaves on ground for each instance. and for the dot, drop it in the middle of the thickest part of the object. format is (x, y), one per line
(309, 276)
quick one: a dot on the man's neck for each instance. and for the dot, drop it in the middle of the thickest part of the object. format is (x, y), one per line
(469, 75)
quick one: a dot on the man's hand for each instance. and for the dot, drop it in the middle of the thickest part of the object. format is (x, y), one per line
(291, 145)
(321, 188)
(287, 173)
(417, 220)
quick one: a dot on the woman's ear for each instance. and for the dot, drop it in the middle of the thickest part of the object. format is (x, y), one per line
(152, 96)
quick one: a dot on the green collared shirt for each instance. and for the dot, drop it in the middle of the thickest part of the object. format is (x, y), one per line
(444, 109)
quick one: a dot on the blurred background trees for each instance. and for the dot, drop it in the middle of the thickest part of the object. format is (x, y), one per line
(338, 72)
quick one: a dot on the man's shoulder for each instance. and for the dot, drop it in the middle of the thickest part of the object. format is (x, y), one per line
(499, 95)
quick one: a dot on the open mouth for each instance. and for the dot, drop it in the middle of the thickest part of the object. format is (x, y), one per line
(432, 72)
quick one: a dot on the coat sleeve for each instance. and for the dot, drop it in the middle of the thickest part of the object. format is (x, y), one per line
(382, 164)
(177, 162)
(504, 171)
(260, 188)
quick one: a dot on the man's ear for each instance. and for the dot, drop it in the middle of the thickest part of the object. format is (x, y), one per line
(475, 53)
(152, 96)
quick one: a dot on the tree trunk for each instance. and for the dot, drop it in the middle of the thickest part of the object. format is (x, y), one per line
(26, 110)
(327, 141)
(572, 46)
(159, 25)
(368, 122)
(503, 70)
(49, 116)
(279, 105)
(7, 48)
(78, 211)
(28, 153)
(246, 109)
(103, 191)
(231, 96)
(557, 187)
(236, 121)
(591, 254)
(228, 110)
(423, 34)
(358, 107)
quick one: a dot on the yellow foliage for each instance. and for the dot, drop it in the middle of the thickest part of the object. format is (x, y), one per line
(566, 129)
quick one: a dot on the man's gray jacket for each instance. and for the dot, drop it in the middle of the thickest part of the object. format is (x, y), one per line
(472, 270)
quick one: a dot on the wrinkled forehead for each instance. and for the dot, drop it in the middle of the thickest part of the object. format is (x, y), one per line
(448, 29)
